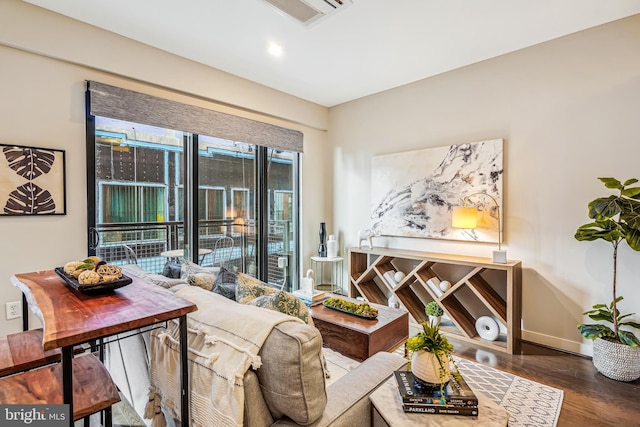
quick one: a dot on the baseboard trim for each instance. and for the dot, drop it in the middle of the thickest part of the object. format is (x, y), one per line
(580, 348)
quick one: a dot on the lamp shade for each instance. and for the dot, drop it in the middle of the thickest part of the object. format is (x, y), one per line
(464, 217)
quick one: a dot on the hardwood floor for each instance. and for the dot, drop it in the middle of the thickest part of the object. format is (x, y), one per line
(590, 398)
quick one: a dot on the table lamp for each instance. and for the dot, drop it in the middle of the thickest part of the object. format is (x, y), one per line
(467, 217)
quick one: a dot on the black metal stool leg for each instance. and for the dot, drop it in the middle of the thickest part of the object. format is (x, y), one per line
(108, 422)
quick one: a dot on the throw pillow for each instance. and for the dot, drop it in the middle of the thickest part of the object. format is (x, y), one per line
(250, 280)
(291, 377)
(172, 270)
(247, 290)
(284, 302)
(196, 275)
(188, 268)
(204, 280)
(225, 284)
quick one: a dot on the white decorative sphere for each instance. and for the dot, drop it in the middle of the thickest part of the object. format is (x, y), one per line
(445, 285)
(399, 276)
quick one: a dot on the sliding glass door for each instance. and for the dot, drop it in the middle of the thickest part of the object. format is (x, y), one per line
(282, 205)
(158, 195)
(227, 203)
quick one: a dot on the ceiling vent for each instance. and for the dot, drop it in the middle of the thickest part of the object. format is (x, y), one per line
(309, 11)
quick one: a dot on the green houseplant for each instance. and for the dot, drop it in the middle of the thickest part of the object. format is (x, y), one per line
(616, 219)
(431, 354)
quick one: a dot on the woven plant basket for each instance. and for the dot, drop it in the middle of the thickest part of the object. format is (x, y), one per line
(616, 360)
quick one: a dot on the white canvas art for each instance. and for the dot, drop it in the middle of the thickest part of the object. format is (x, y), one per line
(413, 193)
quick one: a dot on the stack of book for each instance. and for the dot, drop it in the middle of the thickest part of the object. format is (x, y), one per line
(417, 396)
(309, 299)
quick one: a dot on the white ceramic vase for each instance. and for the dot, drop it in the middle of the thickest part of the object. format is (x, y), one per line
(425, 367)
(332, 247)
(435, 320)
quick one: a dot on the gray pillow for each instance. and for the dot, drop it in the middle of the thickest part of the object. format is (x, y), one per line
(225, 284)
(172, 270)
(292, 375)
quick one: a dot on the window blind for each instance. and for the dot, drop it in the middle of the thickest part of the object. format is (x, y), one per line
(123, 104)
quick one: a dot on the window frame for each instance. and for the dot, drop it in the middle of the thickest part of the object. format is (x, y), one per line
(262, 198)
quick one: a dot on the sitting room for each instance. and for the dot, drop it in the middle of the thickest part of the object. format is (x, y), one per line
(254, 213)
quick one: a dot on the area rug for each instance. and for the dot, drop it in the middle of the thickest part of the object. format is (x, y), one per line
(530, 404)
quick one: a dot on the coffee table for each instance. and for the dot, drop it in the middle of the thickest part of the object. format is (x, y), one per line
(387, 412)
(360, 338)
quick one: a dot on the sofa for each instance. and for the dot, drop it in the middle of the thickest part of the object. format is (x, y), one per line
(297, 381)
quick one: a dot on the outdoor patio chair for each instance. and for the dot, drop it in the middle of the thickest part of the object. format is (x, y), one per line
(222, 251)
(130, 254)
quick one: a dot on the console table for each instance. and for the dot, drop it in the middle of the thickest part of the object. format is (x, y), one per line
(70, 317)
(478, 288)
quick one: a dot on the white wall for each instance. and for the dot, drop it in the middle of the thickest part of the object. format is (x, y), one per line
(45, 59)
(569, 112)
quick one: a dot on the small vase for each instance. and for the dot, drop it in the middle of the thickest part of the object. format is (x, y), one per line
(425, 367)
(435, 320)
(332, 247)
(322, 248)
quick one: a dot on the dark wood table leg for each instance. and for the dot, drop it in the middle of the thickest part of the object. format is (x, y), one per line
(184, 371)
(67, 379)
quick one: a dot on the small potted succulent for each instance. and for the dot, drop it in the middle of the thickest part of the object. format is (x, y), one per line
(616, 219)
(434, 311)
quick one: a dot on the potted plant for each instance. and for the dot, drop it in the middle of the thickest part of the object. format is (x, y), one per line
(431, 355)
(434, 311)
(616, 219)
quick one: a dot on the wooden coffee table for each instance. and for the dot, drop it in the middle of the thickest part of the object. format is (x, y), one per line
(360, 338)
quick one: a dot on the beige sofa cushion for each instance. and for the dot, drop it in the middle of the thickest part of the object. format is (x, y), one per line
(292, 375)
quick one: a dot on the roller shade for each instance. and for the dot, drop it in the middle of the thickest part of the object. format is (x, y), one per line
(122, 104)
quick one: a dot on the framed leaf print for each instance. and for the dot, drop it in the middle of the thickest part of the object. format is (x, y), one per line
(32, 181)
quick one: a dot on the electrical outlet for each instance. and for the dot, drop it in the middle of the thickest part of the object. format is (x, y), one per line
(13, 310)
(283, 262)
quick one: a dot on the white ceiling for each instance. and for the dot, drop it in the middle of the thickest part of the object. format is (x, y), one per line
(368, 47)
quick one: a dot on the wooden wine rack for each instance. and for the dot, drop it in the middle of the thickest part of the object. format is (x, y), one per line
(479, 287)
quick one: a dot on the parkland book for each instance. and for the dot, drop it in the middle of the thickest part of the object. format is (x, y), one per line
(457, 392)
(465, 411)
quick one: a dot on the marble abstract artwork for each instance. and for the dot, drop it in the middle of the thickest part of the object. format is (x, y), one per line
(413, 193)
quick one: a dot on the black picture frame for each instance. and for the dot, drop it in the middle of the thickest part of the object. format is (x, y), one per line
(32, 181)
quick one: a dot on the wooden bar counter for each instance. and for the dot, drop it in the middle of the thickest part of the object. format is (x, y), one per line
(70, 317)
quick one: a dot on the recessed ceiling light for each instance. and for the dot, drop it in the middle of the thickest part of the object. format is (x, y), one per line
(275, 49)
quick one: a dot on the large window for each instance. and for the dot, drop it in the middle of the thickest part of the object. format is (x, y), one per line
(157, 189)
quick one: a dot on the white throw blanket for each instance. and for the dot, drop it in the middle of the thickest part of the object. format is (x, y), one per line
(224, 340)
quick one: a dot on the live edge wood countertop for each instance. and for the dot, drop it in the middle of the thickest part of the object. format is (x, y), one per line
(70, 317)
